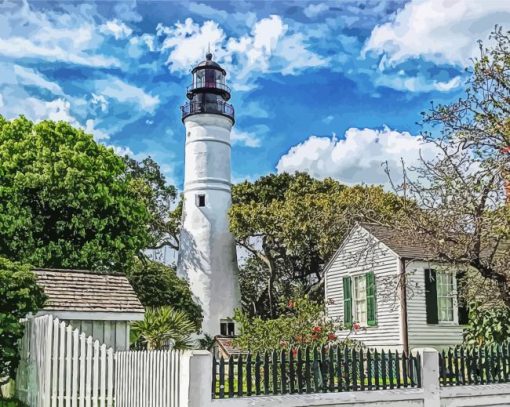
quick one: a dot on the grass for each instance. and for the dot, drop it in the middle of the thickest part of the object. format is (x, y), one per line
(10, 403)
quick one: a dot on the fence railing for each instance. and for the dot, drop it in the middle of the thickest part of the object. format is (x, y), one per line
(334, 369)
(475, 365)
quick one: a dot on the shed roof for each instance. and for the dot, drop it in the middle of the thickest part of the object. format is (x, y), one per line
(400, 242)
(87, 291)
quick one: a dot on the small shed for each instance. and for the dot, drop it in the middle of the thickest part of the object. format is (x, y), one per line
(101, 305)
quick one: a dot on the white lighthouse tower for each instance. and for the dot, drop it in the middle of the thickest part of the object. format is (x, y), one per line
(207, 254)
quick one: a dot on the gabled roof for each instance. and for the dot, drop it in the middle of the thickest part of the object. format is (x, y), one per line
(400, 242)
(87, 291)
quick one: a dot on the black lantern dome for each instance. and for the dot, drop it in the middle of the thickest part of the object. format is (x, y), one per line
(208, 93)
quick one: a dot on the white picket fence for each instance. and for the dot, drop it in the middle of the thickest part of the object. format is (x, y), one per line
(62, 367)
(149, 379)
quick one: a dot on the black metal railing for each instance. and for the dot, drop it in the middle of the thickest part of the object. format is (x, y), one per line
(222, 108)
(319, 370)
(209, 85)
(466, 365)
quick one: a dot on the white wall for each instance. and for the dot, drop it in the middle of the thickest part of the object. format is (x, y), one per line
(361, 254)
(421, 334)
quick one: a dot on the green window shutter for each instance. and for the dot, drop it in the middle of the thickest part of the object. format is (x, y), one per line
(431, 297)
(347, 302)
(463, 310)
(371, 303)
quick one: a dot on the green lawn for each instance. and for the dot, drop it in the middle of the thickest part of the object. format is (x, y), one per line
(10, 403)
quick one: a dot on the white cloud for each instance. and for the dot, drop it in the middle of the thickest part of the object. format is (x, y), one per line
(440, 31)
(123, 92)
(270, 46)
(116, 28)
(100, 101)
(32, 77)
(1, 101)
(71, 38)
(245, 138)
(358, 158)
(90, 128)
(313, 10)
(416, 83)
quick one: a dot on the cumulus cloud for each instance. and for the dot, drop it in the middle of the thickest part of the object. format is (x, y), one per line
(358, 157)
(401, 81)
(269, 47)
(116, 28)
(440, 31)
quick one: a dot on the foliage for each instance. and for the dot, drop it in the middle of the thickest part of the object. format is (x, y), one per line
(464, 215)
(291, 225)
(65, 200)
(159, 198)
(487, 326)
(19, 296)
(158, 285)
(162, 328)
(302, 323)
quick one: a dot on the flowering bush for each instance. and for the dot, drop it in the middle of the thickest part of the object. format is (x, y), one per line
(302, 324)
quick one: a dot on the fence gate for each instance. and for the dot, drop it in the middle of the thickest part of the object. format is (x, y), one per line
(147, 378)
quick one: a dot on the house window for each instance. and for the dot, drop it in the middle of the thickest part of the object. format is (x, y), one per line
(360, 299)
(200, 200)
(445, 297)
(227, 328)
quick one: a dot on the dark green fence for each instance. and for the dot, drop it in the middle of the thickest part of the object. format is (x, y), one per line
(475, 365)
(333, 369)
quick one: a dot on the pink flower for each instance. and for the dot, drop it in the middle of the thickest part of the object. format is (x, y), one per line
(317, 329)
(331, 336)
(356, 326)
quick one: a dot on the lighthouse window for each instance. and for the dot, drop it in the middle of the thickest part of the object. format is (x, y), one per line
(200, 200)
(227, 329)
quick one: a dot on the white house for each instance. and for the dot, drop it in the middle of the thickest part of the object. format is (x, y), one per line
(393, 290)
(99, 304)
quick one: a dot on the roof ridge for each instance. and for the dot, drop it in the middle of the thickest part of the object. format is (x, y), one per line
(80, 271)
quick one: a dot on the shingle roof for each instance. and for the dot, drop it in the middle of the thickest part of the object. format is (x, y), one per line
(404, 245)
(86, 291)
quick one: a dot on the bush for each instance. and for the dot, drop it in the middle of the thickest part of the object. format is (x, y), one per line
(302, 324)
(487, 326)
(19, 296)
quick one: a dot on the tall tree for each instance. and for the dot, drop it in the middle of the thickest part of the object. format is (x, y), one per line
(291, 225)
(464, 212)
(67, 201)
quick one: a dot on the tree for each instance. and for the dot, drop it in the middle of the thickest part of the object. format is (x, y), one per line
(19, 296)
(67, 201)
(463, 211)
(302, 323)
(291, 225)
(160, 199)
(163, 328)
(158, 285)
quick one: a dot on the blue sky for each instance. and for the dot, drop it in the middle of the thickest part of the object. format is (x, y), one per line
(333, 88)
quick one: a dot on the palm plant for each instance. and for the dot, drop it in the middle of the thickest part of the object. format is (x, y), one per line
(163, 328)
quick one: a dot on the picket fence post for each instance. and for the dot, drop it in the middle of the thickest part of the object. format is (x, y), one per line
(430, 377)
(195, 379)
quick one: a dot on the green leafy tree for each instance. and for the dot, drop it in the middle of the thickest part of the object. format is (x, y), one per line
(19, 296)
(487, 326)
(291, 225)
(302, 323)
(158, 285)
(162, 328)
(67, 201)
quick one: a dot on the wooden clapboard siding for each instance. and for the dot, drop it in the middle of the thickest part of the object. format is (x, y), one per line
(114, 334)
(359, 254)
(420, 333)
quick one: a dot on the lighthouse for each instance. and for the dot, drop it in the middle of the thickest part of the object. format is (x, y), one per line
(207, 252)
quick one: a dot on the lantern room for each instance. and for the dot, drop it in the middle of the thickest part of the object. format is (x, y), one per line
(208, 92)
